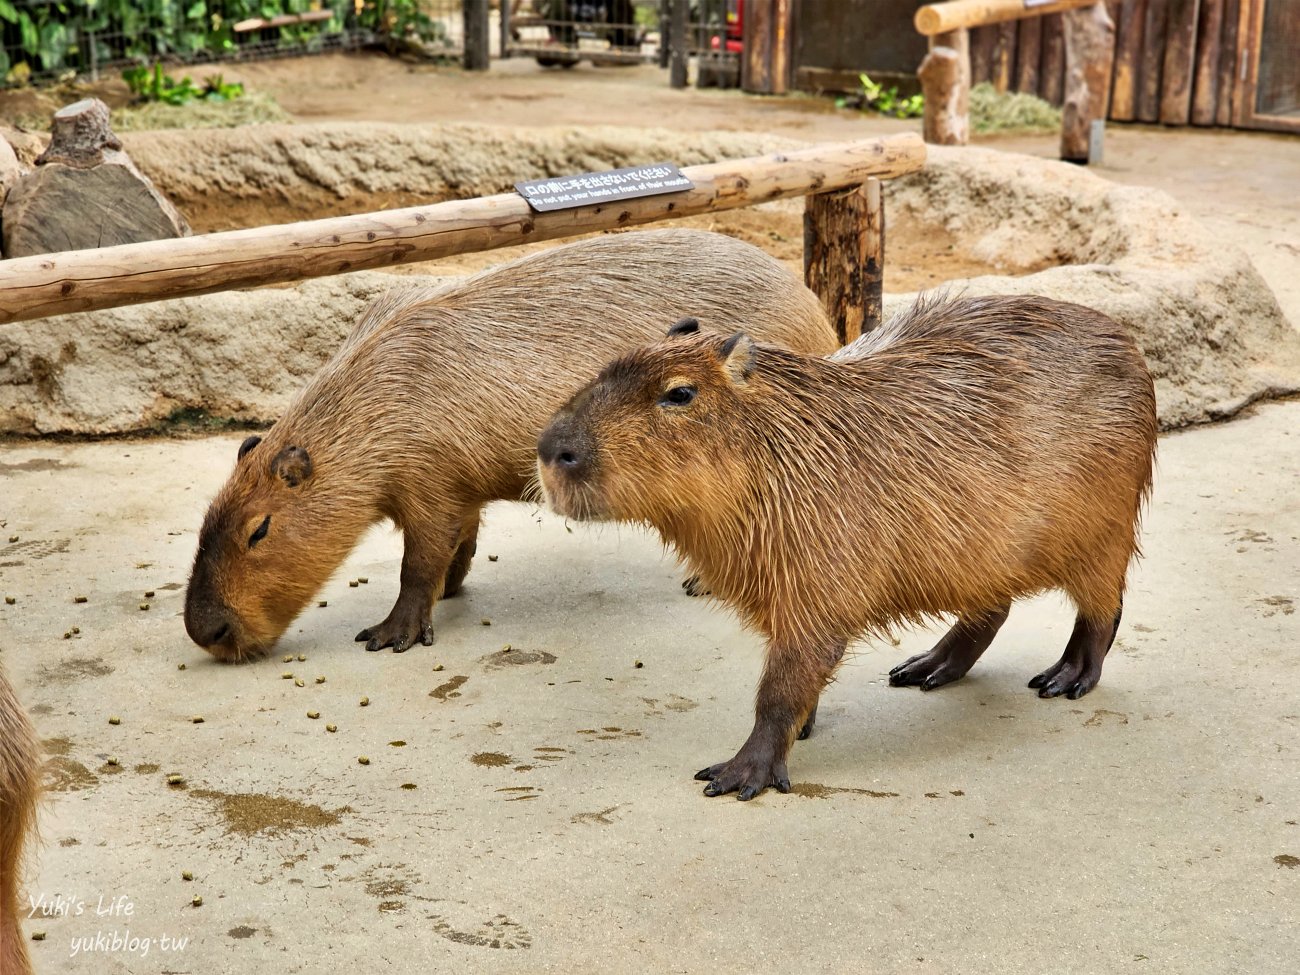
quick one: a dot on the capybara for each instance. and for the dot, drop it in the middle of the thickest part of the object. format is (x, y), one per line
(967, 453)
(431, 408)
(20, 769)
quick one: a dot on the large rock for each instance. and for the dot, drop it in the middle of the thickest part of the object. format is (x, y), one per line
(85, 192)
(1207, 322)
(10, 173)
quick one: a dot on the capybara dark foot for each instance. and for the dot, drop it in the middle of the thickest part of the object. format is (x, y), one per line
(397, 632)
(806, 731)
(694, 587)
(952, 656)
(748, 774)
(1066, 677)
(1079, 669)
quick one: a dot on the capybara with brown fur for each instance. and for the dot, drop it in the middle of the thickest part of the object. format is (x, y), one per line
(966, 454)
(431, 409)
(20, 769)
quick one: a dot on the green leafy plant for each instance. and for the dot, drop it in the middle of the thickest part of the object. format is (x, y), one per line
(152, 85)
(887, 101)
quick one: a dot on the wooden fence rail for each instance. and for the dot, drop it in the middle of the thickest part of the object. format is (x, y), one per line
(86, 280)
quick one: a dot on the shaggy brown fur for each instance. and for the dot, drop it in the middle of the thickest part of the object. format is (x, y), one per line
(968, 453)
(431, 409)
(20, 768)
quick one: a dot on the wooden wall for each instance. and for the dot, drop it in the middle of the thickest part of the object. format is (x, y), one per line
(1175, 60)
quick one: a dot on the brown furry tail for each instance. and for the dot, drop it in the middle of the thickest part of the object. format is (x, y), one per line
(20, 769)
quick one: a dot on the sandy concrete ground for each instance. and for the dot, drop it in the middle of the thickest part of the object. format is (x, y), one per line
(534, 810)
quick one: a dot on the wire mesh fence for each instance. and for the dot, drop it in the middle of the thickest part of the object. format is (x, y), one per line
(43, 39)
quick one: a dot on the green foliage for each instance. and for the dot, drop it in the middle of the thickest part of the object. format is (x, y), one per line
(151, 85)
(887, 101)
(45, 37)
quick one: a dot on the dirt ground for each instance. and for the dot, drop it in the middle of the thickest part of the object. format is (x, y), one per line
(532, 809)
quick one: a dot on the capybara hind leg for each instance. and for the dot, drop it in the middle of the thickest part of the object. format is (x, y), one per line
(793, 679)
(1079, 669)
(424, 570)
(460, 562)
(952, 656)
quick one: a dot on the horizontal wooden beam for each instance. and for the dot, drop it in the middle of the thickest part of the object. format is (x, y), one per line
(937, 18)
(87, 280)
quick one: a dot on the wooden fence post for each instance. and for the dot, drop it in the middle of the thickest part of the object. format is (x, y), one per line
(1089, 53)
(679, 51)
(945, 82)
(477, 55)
(505, 38)
(844, 256)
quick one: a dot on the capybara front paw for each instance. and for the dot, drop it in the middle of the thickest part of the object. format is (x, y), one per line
(926, 671)
(746, 776)
(397, 633)
(1071, 678)
(694, 587)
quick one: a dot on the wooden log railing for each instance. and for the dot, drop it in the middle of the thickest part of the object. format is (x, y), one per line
(945, 73)
(86, 280)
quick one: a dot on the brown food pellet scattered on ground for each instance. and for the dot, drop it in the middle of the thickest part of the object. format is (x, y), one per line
(288, 658)
(287, 675)
(115, 720)
(437, 667)
(299, 683)
(485, 621)
(78, 599)
(149, 594)
(9, 600)
(352, 583)
(638, 664)
(493, 558)
(144, 605)
(13, 538)
(112, 760)
(198, 901)
(323, 603)
(67, 635)
(302, 656)
(186, 875)
(197, 719)
(331, 728)
(180, 666)
(38, 935)
(320, 680)
(365, 701)
(363, 760)
(313, 715)
(76, 630)
(362, 579)
(175, 779)
(408, 785)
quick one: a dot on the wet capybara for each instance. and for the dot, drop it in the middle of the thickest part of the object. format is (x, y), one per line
(431, 409)
(966, 454)
(20, 769)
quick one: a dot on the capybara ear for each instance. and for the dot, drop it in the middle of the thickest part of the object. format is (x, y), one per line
(737, 357)
(686, 326)
(248, 445)
(292, 465)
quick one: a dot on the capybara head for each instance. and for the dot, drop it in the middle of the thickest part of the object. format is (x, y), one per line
(653, 437)
(266, 546)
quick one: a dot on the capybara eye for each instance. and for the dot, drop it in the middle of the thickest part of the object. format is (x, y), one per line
(678, 396)
(260, 532)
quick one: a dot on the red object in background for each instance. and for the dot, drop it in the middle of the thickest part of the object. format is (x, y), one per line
(732, 34)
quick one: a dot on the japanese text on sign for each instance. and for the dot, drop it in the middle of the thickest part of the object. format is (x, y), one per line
(563, 192)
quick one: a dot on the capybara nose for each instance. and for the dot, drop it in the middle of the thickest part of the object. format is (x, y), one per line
(558, 450)
(208, 626)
